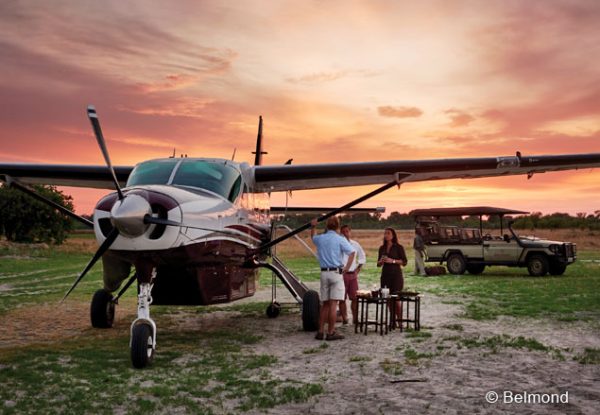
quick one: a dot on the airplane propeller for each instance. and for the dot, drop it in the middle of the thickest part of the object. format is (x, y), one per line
(91, 111)
(103, 248)
(123, 220)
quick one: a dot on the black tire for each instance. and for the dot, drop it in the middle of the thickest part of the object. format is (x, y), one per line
(273, 310)
(311, 308)
(142, 351)
(475, 269)
(456, 264)
(557, 268)
(102, 310)
(537, 265)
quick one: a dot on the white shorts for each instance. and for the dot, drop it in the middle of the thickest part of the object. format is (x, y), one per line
(332, 286)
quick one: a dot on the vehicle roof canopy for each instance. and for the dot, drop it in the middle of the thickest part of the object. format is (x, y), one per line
(465, 211)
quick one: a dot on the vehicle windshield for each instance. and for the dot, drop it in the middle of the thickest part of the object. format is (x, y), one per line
(216, 177)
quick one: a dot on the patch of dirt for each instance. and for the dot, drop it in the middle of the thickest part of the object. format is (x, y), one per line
(51, 323)
(456, 378)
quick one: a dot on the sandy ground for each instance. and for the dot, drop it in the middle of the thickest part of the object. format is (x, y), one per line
(453, 381)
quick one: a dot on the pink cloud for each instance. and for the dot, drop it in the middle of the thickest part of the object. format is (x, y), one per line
(399, 112)
(459, 118)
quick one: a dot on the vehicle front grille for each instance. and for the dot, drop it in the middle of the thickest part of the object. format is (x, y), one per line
(570, 250)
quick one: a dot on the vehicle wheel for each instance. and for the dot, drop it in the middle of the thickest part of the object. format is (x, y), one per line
(273, 309)
(537, 265)
(456, 264)
(142, 351)
(475, 269)
(557, 268)
(311, 308)
(102, 309)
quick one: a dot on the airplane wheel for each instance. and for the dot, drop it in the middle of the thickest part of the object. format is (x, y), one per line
(311, 308)
(456, 264)
(142, 351)
(537, 265)
(102, 309)
(273, 309)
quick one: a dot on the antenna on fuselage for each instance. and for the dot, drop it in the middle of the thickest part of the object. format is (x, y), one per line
(259, 151)
(233, 155)
(173, 155)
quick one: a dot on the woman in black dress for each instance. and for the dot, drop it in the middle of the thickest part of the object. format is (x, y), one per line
(392, 258)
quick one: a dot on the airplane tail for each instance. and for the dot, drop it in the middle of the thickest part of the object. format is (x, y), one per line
(259, 148)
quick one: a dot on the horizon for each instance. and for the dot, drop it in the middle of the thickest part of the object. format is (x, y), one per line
(334, 82)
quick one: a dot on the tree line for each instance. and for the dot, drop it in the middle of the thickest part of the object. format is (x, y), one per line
(398, 220)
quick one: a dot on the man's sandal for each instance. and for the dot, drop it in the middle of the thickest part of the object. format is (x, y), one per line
(334, 336)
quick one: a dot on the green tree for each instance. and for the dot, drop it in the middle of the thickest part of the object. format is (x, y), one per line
(24, 219)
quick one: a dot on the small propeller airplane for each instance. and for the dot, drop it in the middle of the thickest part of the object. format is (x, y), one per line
(197, 230)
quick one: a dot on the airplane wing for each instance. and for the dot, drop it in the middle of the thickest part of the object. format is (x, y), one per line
(317, 176)
(64, 174)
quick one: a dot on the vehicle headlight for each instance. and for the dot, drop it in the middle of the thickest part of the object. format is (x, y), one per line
(554, 248)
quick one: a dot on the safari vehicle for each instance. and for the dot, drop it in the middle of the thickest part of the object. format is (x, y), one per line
(468, 249)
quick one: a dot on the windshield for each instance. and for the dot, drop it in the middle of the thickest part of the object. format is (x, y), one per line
(152, 172)
(214, 176)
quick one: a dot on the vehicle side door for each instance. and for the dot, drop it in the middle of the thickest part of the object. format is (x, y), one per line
(498, 250)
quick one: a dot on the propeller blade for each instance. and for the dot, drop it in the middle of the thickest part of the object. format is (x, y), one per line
(91, 111)
(103, 248)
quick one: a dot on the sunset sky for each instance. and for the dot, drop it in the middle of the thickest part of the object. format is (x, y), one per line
(334, 81)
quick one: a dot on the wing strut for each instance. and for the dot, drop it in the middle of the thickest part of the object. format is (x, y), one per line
(399, 177)
(26, 189)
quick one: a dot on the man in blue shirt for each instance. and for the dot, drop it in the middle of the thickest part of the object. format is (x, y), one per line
(330, 248)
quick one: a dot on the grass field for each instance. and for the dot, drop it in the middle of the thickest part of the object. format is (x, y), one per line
(213, 368)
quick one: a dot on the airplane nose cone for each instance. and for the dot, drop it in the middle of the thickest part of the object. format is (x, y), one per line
(127, 215)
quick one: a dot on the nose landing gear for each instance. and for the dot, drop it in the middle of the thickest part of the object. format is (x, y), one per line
(143, 329)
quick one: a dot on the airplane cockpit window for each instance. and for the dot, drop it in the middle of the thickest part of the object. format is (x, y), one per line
(217, 177)
(152, 172)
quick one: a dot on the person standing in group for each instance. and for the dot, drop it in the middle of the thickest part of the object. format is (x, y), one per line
(331, 246)
(419, 248)
(351, 277)
(391, 258)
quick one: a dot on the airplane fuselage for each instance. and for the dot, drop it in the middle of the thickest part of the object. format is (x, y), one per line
(205, 260)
